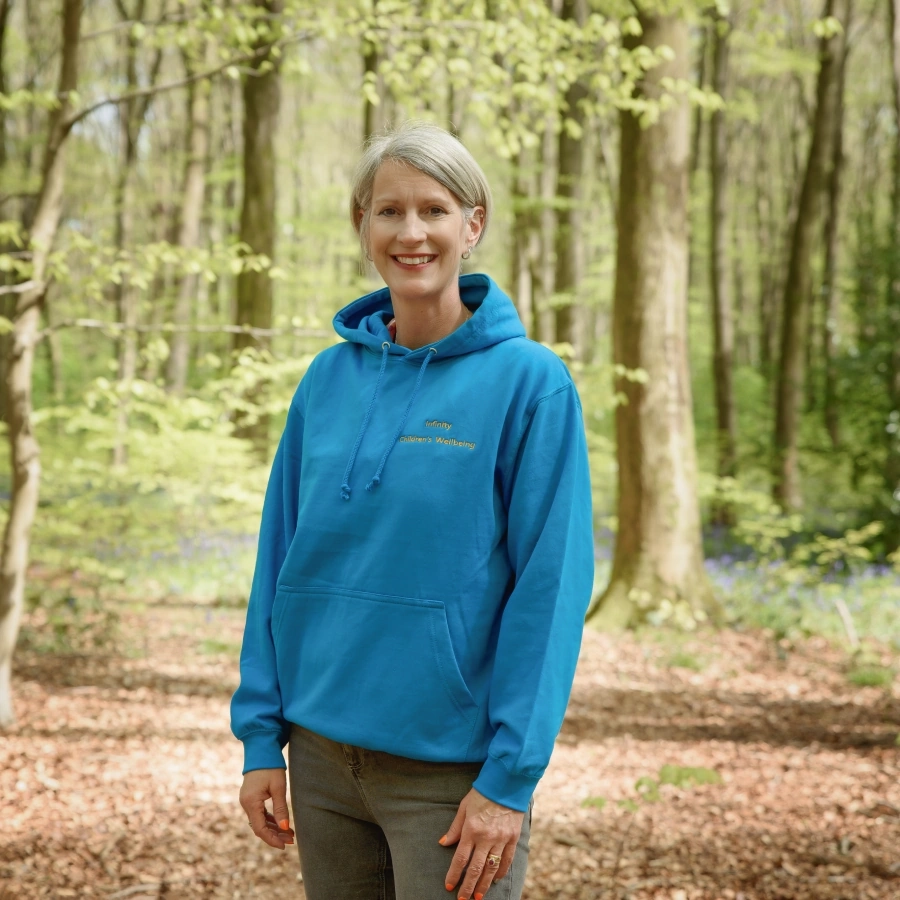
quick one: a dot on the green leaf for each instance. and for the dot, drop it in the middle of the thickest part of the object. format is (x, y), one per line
(685, 776)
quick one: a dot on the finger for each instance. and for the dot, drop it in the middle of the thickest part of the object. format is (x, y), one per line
(259, 818)
(509, 854)
(491, 867)
(255, 807)
(474, 871)
(279, 802)
(276, 827)
(454, 832)
(457, 864)
(269, 836)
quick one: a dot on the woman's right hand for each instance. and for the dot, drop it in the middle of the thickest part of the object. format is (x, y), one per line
(272, 827)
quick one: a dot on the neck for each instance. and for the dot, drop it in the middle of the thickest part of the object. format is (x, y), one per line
(420, 323)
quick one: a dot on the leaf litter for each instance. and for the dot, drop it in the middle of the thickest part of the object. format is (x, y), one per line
(737, 768)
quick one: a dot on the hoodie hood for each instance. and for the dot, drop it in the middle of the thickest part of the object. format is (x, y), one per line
(494, 320)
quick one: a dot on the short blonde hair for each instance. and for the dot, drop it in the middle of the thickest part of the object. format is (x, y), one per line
(434, 152)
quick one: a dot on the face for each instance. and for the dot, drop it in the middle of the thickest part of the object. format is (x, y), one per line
(418, 234)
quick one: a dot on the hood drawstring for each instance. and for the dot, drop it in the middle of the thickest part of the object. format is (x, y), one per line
(376, 480)
(345, 487)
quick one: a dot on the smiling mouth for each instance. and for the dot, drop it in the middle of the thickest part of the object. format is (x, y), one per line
(413, 260)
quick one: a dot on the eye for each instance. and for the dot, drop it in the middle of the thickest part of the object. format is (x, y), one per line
(387, 211)
(437, 211)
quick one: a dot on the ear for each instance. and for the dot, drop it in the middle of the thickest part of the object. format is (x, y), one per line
(476, 225)
(359, 215)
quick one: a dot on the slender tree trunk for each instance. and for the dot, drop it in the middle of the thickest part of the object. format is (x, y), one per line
(605, 162)
(254, 289)
(54, 356)
(543, 319)
(658, 561)
(132, 115)
(569, 172)
(892, 464)
(723, 317)
(697, 127)
(745, 353)
(809, 366)
(789, 389)
(766, 250)
(125, 295)
(8, 302)
(189, 229)
(523, 245)
(830, 296)
(696, 146)
(25, 460)
(370, 75)
(5, 7)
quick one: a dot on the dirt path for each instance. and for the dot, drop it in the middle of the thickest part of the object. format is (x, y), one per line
(121, 778)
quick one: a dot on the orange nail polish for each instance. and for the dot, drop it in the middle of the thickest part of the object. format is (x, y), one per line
(479, 896)
(284, 824)
(448, 886)
(441, 840)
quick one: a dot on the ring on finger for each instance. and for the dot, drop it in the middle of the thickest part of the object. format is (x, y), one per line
(493, 860)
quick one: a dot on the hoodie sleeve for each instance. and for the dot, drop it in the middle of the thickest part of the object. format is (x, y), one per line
(256, 715)
(550, 545)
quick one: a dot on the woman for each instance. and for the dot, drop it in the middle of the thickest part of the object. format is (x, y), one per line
(425, 562)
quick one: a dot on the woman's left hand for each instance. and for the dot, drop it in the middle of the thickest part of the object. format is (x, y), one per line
(483, 828)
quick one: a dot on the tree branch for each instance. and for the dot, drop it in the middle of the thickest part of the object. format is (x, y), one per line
(75, 118)
(18, 288)
(169, 328)
(166, 19)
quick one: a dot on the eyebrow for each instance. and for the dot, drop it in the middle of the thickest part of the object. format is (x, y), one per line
(428, 201)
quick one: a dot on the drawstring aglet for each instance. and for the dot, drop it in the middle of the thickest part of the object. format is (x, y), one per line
(373, 483)
(345, 491)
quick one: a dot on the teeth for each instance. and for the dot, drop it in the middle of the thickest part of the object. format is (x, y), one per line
(413, 260)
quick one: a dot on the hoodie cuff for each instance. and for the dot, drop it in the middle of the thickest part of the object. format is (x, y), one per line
(262, 750)
(504, 787)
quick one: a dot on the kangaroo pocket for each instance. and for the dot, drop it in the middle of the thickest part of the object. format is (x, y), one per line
(372, 670)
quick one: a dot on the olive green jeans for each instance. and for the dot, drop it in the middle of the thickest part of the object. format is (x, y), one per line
(368, 823)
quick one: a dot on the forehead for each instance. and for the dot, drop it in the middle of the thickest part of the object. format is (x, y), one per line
(395, 180)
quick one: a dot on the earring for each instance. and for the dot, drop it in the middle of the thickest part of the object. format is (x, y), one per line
(468, 253)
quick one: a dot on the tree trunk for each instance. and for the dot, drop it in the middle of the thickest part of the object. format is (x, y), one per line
(54, 357)
(5, 7)
(254, 288)
(7, 305)
(25, 461)
(697, 145)
(745, 353)
(189, 229)
(570, 165)
(766, 252)
(132, 115)
(892, 464)
(723, 316)
(523, 241)
(658, 561)
(543, 319)
(370, 75)
(830, 296)
(789, 388)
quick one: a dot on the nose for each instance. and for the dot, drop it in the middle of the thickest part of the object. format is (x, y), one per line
(412, 230)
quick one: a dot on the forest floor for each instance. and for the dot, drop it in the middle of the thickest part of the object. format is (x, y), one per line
(121, 778)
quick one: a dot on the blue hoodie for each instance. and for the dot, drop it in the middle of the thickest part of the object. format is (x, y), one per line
(425, 555)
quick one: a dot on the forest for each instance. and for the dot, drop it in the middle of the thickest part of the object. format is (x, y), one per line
(697, 209)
